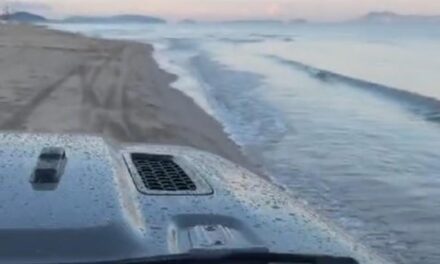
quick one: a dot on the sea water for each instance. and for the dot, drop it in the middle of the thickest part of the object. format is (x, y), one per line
(346, 117)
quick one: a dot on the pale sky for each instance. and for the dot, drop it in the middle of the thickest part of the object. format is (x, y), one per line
(320, 10)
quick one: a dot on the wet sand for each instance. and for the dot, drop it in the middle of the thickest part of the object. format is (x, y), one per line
(59, 82)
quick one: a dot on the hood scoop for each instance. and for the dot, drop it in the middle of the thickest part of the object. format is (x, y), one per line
(156, 174)
(49, 168)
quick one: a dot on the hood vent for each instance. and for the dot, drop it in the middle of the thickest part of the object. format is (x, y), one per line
(161, 173)
(164, 174)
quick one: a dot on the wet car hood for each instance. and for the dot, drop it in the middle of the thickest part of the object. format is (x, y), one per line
(97, 211)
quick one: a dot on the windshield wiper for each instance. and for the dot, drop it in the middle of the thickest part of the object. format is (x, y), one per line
(227, 257)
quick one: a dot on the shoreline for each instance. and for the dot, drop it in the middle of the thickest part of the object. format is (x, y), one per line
(59, 82)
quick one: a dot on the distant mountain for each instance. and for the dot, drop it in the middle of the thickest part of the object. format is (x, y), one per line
(115, 19)
(23, 17)
(390, 17)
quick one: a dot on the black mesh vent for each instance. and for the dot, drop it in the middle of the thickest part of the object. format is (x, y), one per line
(161, 173)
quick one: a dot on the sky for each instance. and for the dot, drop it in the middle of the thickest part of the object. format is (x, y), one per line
(316, 10)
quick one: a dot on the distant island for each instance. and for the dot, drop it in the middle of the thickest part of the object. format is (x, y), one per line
(24, 17)
(390, 17)
(384, 17)
(114, 19)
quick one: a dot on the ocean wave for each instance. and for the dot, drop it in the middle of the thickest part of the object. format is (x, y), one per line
(248, 118)
(240, 40)
(423, 105)
(282, 37)
(182, 43)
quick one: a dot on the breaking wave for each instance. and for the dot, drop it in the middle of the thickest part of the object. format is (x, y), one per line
(426, 106)
(233, 94)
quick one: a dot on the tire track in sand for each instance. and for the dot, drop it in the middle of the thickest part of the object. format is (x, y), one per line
(107, 112)
(17, 119)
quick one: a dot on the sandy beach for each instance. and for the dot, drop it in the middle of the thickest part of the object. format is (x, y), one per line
(58, 82)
